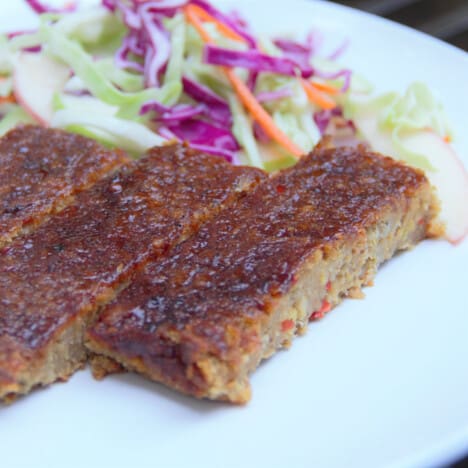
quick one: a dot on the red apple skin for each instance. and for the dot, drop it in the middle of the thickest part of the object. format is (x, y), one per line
(450, 179)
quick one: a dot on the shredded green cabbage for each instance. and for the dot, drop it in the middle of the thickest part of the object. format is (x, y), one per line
(290, 124)
(6, 56)
(87, 40)
(15, 116)
(71, 53)
(6, 86)
(127, 134)
(126, 81)
(95, 27)
(397, 115)
(24, 41)
(174, 68)
(243, 131)
(83, 104)
(415, 110)
(268, 46)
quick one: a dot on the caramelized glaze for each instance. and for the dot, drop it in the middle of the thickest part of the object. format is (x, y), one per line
(81, 256)
(41, 168)
(209, 293)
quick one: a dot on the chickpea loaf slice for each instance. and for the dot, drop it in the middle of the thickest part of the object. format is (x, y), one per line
(41, 170)
(53, 280)
(201, 318)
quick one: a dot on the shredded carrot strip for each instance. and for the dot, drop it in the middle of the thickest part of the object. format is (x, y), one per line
(193, 18)
(325, 87)
(245, 95)
(447, 139)
(317, 97)
(261, 115)
(7, 99)
(223, 28)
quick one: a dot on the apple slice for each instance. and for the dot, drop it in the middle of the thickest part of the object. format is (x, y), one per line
(450, 177)
(380, 141)
(36, 79)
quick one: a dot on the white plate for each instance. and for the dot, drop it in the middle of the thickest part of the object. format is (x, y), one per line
(378, 382)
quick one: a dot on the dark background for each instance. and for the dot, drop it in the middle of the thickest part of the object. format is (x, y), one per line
(445, 19)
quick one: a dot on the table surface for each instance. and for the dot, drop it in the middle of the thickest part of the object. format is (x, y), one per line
(444, 19)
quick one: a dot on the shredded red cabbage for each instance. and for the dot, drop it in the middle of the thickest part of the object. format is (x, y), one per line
(147, 37)
(154, 106)
(159, 47)
(237, 18)
(200, 92)
(182, 112)
(314, 40)
(219, 110)
(322, 118)
(345, 73)
(135, 44)
(12, 34)
(266, 96)
(156, 5)
(339, 51)
(166, 133)
(78, 92)
(205, 137)
(204, 133)
(252, 80)
(235, 25)
(229, 156)
(328, 121)
(165, 7)
(109, 4)
(121, 57)
(201, 136)
(173, 114)
(159, 5)
(260, 134)
(300, 53)
(205, 121)
(129, 14)
(253, 60)
(40, 8)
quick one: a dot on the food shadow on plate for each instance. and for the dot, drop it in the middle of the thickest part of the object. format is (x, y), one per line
(37, 392)
(196, 405)
(131, 380)
(193, 404)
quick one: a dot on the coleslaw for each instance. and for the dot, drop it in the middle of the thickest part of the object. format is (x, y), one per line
(143, 72)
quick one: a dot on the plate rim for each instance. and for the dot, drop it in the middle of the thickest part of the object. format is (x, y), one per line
(456, 445)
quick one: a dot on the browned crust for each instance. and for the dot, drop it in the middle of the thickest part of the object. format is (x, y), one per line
(201, 319)
(41, 169)
(54, 279)
(102, 366)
